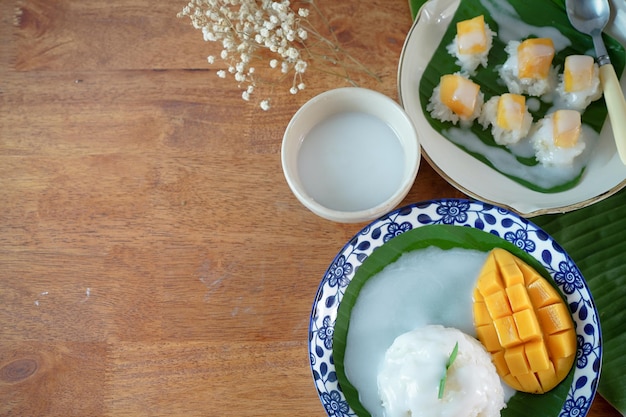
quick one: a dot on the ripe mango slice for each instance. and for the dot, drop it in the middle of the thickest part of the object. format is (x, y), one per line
(459, 94)
(524, 323)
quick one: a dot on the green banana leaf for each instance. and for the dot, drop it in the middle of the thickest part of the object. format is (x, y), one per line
(444, 237)
(552, 15)
(593, 237)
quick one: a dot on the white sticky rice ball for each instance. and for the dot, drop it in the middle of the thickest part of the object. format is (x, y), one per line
(470, 62)
(546, 152)
(580, 99)
(488, 117)
(438, 110)
(533, 87)
(410, 375)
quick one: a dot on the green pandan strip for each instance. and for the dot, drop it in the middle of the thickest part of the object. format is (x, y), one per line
(451, 359)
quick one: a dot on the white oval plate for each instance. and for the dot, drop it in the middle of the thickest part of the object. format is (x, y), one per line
(605, 173)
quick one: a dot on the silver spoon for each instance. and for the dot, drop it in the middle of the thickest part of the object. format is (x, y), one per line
(590, 17)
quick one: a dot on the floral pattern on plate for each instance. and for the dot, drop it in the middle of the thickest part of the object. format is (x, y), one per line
(492, 219)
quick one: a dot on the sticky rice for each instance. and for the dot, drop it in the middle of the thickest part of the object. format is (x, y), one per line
(509, 119)
(520, 72)
(558, 138)
(472, 44)
(410, 376)
(456, 99)
(579, 84)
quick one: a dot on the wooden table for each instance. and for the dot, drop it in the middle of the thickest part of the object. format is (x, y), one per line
(153, 260)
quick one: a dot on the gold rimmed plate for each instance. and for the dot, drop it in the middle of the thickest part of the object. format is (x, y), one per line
(604, 173)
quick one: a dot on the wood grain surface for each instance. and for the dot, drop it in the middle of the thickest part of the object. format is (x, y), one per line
(153, 261)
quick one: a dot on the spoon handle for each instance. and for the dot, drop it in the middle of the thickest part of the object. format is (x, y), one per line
(616, 106)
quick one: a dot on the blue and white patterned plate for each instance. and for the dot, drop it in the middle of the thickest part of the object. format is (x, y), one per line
(482, 216)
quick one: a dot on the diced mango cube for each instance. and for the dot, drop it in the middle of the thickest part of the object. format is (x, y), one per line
(534, 58)
(554, 318)
(530, 275)
(490, 286)
(529, 383)
(563, 344)
(516, 361)
(478, 297)
(578, 73)
(566, 126)
(510, 113)
(498, 305)
(563, 366)
(459, 94)
(500, 362)
(481, 314)
(527, 325)
(548, 378)
(538, 357)
(518, 297)
(471, 35)
(541, 293)
(489, 337)
(507, 331)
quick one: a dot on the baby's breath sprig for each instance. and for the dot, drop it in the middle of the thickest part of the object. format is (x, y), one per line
(274, 33)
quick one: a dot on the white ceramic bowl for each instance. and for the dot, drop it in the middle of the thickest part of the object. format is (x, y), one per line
(350, 154)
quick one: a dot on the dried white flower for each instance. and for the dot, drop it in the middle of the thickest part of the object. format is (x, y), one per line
(292, 53)
(300, 67)
(248, 30)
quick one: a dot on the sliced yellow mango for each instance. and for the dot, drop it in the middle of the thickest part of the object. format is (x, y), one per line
(528, 326)
(459, 94)
(510, 111)
(524, 323)
(538, 356)
(507, 332)
(534, 57)
(566, 128)
(541, 293)
(471, 35)
(498, 305)
(578, 73)
(481, 314)
(518, 297)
